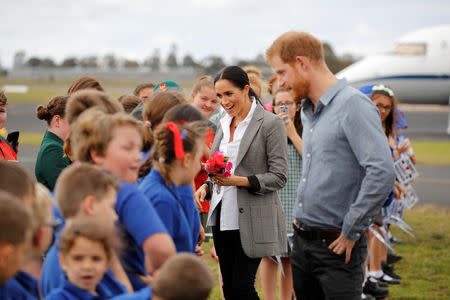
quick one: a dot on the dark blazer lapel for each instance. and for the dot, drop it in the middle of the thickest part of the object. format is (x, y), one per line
(250, 133)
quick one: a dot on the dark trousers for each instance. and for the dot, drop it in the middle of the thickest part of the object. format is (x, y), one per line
(319, 273)
(238, 270)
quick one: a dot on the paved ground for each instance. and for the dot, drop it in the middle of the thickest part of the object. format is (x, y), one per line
(425, 123)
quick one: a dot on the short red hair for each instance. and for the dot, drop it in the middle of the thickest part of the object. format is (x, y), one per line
(295, 43)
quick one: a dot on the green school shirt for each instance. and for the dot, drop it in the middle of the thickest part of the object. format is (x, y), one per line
(50, 160)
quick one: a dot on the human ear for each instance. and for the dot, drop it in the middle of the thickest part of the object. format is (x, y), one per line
(96, 158)
(56, 121)
(5, 252)
(302, 63)
(87, 205)
(37, 238)
(246, 89)
(187, 159)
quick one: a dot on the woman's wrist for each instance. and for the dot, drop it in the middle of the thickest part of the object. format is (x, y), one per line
(243, 181)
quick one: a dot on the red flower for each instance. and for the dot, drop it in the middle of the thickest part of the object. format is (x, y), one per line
(218, 164)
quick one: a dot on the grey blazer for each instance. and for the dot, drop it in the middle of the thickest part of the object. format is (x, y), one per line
(263, 153)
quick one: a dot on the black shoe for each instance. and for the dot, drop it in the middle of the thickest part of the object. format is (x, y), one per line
(395, 240)
(388, 279)
(372, 288)
(367, 297)
(388, 270)
(381, 283)
(392, 258)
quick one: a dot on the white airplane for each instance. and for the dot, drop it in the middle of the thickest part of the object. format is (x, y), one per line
(417, 68)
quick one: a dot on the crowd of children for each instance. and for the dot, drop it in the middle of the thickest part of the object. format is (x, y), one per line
(123, 175)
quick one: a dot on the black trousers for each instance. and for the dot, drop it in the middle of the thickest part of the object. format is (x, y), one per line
(238, 270)
(319, 273)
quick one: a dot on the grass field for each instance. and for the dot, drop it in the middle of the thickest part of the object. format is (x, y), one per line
(432, 153)
(425, 267)
(42, 90)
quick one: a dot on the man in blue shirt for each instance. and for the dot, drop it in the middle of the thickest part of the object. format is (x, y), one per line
(347, 171)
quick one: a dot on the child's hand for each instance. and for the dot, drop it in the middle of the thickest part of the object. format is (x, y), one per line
(199, 250)
(399, 190)
(199, 196)
(404, 148)
(213, 254)
(201, 237)
(147, 279)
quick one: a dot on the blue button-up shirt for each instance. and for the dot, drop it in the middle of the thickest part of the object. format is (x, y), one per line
(348, 171)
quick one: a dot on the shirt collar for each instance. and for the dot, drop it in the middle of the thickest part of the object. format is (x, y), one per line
(226, 119)
(76, 291)
(54, 137)
(326, 98)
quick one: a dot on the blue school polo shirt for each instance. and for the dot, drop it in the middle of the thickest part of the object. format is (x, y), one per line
(139, 220)
(4, 291)
(22, 286)
(142, 294)
(186, 193)
(174, 207)
(71, 292)
(53, 277)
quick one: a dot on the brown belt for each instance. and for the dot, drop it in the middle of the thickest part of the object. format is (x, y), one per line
(311, 234)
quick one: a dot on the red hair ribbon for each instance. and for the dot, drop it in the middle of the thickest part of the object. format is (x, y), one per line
(177, 141)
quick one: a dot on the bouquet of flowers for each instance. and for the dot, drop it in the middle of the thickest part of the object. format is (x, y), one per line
(218, 164)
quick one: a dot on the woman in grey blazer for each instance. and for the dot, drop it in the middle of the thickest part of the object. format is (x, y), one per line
(246, 215)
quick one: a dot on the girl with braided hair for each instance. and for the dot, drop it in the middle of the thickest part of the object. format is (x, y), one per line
(176, 155)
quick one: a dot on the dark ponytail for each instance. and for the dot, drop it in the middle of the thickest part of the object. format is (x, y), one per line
(238, 77)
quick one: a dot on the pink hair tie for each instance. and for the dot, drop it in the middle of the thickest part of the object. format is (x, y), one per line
(148, 124)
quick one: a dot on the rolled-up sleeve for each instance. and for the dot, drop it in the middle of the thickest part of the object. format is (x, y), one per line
(362, 128)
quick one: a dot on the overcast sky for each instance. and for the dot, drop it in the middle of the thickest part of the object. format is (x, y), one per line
(230, 28)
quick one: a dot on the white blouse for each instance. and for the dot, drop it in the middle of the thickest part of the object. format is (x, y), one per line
(229, 216)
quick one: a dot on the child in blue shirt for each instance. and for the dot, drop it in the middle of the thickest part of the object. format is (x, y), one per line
(82, 190)
(16, 230)
(113, 143)
(86, 249)
(176, 155)
(183, 276)
(20, 183)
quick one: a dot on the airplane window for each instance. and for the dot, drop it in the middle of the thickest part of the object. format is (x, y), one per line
(411, 49)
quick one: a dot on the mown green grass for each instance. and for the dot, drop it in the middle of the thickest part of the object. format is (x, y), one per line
(39, 96)
(425, 267)
(34, 96)
(41, 90)
(432, 153)
(31, 138)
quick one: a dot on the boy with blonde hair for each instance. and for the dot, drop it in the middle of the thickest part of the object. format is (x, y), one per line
(114, 143)
(183, 276)
(82, 190)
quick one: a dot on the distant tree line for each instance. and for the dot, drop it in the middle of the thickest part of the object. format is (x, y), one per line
(208, 65)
